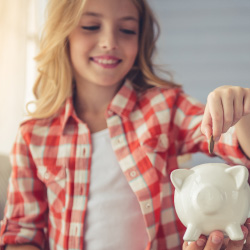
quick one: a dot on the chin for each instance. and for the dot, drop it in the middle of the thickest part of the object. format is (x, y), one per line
(108, 82)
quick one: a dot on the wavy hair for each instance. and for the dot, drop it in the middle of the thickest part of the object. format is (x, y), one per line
(54, 83)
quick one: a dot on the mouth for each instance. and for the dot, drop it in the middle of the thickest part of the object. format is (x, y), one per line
(106, 61)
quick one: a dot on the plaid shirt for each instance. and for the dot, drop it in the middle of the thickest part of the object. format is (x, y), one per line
(51, 158)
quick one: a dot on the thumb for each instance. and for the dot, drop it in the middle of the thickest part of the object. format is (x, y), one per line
(206, 124)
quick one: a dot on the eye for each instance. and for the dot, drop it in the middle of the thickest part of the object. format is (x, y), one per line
(90, 28)
(129, 32)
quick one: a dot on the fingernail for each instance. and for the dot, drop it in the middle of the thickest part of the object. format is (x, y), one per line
(216, 239)
(200, 243)
(217, 138)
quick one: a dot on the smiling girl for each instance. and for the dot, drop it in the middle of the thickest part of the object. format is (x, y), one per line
(103, 48)
(91, 166)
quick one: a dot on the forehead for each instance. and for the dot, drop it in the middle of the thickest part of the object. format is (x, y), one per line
(111, 8)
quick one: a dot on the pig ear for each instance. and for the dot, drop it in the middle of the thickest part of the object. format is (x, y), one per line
(240, 175)
(178, 177)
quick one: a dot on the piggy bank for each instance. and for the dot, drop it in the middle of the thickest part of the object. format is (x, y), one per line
(212, 197)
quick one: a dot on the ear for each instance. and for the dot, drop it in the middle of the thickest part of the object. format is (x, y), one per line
(240, 175)
(178, 177)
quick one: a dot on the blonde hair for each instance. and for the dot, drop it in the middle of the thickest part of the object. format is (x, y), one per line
(55, 78)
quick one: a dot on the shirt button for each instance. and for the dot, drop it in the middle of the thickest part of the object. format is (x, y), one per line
(46, 176)
(81, 191)
(163, 142)
(148, 206)
(133, 174)
(119, 140)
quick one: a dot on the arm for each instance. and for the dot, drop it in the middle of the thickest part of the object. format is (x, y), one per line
(21, 247)
(243, 134)
(25, 217)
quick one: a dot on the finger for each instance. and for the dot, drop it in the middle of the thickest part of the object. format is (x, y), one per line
(228, 110)
(238, 245)
(214, 241)
(216, 112)
(225, 243)
(247, 243)
(246, 110)
(206, 124)
(195, 245)
(238, 104)
(185, 245)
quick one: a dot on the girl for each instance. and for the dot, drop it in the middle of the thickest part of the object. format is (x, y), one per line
(91, 167)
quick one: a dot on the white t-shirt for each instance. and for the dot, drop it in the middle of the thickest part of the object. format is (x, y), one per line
(114, 219)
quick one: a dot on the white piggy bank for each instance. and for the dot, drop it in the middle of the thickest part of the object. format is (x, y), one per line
(212, 197)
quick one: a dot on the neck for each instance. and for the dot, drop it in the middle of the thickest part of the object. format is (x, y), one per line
(93, 99)
(91, 102)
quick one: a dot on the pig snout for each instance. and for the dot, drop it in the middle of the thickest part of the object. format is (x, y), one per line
(208, 200)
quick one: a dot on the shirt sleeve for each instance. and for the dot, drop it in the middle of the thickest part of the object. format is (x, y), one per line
(187, 118)
(25, 219)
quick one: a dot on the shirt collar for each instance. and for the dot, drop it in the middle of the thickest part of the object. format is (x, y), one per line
(67, 112)
(122, 104)
(124, 101)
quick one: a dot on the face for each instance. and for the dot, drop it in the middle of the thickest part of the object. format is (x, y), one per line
(104, 45)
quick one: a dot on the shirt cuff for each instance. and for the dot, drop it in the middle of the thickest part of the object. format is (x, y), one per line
(13, 235)
(237, 156)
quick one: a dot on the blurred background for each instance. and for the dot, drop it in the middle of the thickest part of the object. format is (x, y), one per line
(205, 44)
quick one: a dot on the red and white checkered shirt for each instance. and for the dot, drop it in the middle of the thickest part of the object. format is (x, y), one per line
(51, 159)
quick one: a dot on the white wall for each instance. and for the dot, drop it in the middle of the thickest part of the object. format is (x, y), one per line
(13, 28)
(206, 44)
(20, 26)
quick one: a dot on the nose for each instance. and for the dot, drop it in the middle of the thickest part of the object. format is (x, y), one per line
(209, 200)
(108, 40)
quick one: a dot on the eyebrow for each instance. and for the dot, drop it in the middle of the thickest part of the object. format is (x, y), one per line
(125, 18)
(129, 18)
(91, 14)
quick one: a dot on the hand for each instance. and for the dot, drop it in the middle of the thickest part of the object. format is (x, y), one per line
(216, 241)
(247, 243)
(225, 106)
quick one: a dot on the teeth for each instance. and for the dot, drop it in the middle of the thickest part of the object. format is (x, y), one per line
(105, 61)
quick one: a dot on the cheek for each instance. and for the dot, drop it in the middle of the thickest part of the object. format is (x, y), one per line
(79, 45)
(73, 48)
(132, 50)
(73, 54)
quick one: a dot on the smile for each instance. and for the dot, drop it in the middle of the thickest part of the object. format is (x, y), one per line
(106, 62)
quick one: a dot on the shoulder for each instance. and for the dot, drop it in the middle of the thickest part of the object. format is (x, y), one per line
(157, 95)
(173, 99)
(156, 92)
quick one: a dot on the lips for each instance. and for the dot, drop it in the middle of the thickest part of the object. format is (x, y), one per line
(106, 61)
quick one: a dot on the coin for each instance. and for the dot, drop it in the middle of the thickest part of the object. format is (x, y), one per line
(211, 144)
